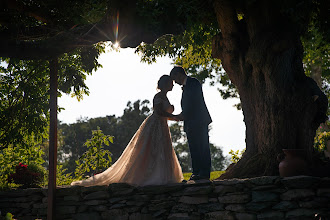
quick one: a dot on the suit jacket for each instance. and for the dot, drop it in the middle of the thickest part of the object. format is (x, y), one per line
(193, 105)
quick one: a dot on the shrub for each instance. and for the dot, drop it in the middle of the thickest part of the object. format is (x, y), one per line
(25, 177)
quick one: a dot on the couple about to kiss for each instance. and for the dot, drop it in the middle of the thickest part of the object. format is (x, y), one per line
(149, 158)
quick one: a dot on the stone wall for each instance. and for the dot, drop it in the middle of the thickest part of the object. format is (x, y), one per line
(298, 197)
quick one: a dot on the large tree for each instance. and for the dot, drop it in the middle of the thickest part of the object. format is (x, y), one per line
(262, 55)
(257, 41)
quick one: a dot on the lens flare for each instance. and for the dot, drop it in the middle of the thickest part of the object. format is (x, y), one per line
(116, 26)
(116, 45)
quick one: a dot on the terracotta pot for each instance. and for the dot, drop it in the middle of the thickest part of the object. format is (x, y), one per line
(293, 163)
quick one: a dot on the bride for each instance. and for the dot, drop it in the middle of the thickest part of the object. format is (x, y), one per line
(149, 158)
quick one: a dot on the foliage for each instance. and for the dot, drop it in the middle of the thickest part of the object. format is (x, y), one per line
(27, 177)
(62, 178)
(8, 216)
(320, 142)
(30, 154)
(193, 51)
(193, 48)
(96, 158)
(236, 155)
(214, 175)
(122, 128)
(24, 92)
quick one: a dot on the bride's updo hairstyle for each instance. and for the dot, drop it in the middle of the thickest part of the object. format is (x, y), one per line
(163, 82)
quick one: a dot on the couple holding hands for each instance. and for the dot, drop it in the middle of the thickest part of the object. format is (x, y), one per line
(149, 158)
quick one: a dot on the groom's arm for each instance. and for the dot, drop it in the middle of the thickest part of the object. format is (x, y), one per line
(192, 101)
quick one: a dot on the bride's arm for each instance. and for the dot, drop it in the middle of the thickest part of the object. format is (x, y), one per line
(158, 108)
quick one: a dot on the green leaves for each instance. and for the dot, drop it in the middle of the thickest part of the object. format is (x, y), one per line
(95, 158)
(24, 92)
(236, 155)
(10, 157)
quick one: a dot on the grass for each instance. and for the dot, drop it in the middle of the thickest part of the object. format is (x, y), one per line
(214, 175)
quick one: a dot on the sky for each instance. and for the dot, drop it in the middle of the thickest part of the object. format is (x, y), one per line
(124, 78)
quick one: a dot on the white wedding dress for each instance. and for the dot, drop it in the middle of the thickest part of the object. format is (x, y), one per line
(148, 159)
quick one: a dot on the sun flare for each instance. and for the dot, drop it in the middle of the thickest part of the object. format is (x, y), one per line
(116, 45)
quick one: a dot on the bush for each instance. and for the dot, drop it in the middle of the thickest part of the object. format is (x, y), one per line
(25, 177)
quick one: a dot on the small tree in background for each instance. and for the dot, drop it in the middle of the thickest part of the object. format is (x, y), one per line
(96, 158)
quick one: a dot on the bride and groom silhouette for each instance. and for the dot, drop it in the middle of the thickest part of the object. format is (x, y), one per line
(149, 158)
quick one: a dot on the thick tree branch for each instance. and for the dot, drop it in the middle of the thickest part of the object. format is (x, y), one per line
(32, 12)
(226, 44)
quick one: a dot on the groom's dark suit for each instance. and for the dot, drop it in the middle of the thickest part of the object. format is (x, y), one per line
(196, 121)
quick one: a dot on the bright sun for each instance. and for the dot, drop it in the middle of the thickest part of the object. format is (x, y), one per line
(116, 45)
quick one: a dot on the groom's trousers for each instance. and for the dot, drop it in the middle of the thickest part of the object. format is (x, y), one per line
(199, 146)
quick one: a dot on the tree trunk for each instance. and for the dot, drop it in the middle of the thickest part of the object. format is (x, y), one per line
(282, 107)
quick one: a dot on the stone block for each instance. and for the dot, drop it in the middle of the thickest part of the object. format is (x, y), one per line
(324, 182)
(260, 196)
(230, 182)
(162, 205)
(324, 192)
(194, 199)
(61, 210)
(222, 189)
(154, 189)
(210, 207)
(245, 216)
(235, 207)
(99, 208)
(115, 214)
(159, 213)
(315, 203)
(271, 215)
(264, 180)
(235, 198)
(74, 198)
(182, 207)
(95, 202)
(135, 203)
(45, 200)
(139, 216)
(285, 205)
(269, 188)
(178, 216)
(118, 206)
(40, 206)
(220, 215)
(35, 197)
(132, 209)
(301, 213)
(97, 195)
(91, 189)
(140, 198)
(116, 200)
(258, 206)
(82, 208)
(123, 192)
(295, 194)
(87, 216)
(212, 200)
(198, 190)
(300, 182)
(68, 191)
(24, 205)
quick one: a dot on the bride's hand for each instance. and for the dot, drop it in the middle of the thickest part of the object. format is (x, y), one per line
(174, 118)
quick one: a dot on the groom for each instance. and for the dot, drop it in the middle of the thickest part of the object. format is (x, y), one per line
(196, 119)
